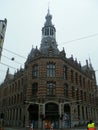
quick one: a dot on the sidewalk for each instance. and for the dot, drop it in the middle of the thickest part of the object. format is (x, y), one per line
(75, 128)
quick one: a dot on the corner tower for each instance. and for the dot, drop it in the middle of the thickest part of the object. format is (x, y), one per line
(48, 41)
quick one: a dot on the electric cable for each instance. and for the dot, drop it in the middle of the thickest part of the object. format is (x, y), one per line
(12, 59)
(14, 53)
(8, 66)
(78, 39)
(81, 38)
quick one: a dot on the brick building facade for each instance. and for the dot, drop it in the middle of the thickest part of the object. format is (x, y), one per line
(50, 88)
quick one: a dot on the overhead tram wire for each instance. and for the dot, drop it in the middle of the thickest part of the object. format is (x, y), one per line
(78, 39)
(8, 66)
(81, 38)
(12, 59)
(14, 53)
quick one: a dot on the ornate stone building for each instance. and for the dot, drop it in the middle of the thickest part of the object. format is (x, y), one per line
(50, 88)
(3, 24)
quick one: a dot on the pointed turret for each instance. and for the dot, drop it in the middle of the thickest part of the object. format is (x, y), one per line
(90, 65)
(48, 19)
(8, 75)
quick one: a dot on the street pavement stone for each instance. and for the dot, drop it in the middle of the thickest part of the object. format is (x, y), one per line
(75, 128)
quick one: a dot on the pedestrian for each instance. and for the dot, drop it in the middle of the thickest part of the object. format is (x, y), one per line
(91, 125)
(51, 126)
(31, 126)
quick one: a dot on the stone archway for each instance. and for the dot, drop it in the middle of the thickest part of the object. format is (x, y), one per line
(33, 114)
(52, 114)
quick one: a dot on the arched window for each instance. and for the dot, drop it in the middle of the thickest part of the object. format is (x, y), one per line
(51, 88)
(65, 72)
(77, 93)
(81, 95)
(83, 82)
(85, 96)
(80, 80)
(76, 77)
(51, 31)
(72, 76)
(50, 70)
(66, 90)
(35, 71)
(46, 31)
(17, 98)
(73, 92)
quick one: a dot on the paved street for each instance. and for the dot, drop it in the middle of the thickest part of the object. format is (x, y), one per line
(78, 128)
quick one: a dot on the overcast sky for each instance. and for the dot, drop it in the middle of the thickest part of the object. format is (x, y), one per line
(73, 19)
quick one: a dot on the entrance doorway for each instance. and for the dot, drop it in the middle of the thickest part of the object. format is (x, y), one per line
(33, 115)
(52, 114)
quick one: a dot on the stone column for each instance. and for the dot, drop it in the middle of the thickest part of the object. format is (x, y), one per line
(18, 112)
(74, 114)
(14, 117)
(81, 114)
(61, 112)
(44, 116)
(27, 123)
(60, 123)
(41, 114)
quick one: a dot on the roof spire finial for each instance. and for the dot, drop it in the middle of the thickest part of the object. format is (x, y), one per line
(90, 64)
(48, 7)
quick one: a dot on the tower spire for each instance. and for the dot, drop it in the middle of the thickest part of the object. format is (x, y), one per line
(48, 8)
(48, 34)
